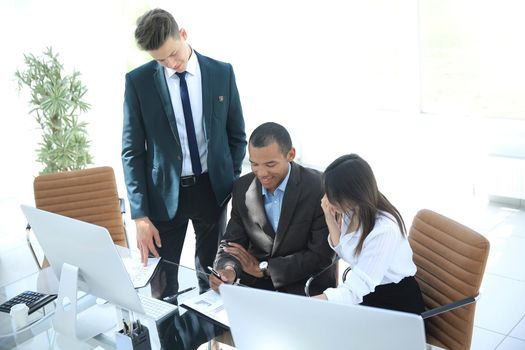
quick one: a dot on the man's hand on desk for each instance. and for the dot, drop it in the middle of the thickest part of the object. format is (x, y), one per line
(249, 263)
(147, 234)
(227, 276)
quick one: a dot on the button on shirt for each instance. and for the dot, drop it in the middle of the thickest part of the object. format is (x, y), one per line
(386, 257)
(193, 80)
(274, 201)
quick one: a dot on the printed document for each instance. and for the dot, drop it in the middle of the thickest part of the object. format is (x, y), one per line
(210, 305)
(140, 274)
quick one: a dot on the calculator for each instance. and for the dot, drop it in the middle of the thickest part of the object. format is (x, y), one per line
(33, 300)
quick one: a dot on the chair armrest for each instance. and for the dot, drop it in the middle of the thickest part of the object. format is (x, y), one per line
(122, 205)
(307, 286)
(454, 305)
(314, 276)
(347, 270)
(30, 245)
(28, 231)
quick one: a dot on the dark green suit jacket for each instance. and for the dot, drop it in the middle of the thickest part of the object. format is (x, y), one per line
(151, 150)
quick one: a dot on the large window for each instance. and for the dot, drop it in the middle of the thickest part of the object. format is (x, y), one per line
(472, 55)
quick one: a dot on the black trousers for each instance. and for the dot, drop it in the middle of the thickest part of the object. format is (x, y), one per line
(403, 296)
(198, 204)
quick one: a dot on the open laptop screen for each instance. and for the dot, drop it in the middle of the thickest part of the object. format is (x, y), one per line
(269, 320)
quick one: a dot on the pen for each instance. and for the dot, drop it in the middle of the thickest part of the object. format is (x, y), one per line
(215, 273)
(171, 297)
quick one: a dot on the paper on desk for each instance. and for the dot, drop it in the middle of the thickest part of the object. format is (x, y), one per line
(210, 305)
(140, 274)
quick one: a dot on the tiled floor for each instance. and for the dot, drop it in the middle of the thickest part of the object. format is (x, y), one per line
(500, 315)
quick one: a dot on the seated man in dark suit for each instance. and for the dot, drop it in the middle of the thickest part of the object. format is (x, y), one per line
(277, 236)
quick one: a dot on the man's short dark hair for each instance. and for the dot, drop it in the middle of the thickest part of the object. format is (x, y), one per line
(268, 133)
(154, 28)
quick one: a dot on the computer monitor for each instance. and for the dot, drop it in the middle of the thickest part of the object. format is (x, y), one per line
(262, 319)
(76, 248)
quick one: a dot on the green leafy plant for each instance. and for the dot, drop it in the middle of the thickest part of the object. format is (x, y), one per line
(57, 100)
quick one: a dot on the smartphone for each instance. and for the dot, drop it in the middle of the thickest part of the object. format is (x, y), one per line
(214, 272)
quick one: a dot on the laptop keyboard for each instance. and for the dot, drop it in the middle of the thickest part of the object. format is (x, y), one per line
(155, 308)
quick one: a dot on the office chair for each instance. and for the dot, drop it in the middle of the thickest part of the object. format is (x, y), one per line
(89, 195)
(450, 260)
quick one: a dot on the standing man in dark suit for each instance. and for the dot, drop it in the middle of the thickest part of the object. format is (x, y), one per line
(276, 237)
(183, 142)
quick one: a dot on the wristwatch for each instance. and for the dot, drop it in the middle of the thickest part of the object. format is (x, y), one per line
(263, 266)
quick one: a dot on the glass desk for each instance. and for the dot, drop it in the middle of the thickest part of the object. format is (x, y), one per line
(184, 329)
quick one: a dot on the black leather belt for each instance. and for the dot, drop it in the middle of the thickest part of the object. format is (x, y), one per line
(188, 181)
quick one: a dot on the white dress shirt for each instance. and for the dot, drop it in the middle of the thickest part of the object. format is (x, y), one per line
(194, 82)
(386, 257)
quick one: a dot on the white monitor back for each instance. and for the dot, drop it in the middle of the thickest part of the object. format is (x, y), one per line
(269, 320)
(88, 247)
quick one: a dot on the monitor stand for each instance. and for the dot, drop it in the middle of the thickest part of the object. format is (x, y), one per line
(66, 321)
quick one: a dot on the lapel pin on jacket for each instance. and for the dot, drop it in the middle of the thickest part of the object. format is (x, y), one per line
(221, 98)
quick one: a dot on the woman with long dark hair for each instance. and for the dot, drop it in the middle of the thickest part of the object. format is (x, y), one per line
(368, 232)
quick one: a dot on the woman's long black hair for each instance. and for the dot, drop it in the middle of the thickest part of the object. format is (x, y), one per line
(349, 182)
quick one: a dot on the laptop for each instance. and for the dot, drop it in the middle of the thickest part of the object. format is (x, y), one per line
(90, 248)
(262, 319)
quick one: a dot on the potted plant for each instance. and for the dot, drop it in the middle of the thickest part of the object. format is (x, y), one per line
(56, 102)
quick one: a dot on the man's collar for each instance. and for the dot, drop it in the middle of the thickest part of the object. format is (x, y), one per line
(191, 67)
(282, 185)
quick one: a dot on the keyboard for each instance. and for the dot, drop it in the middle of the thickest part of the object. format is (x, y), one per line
(156, 309)
(33, 300)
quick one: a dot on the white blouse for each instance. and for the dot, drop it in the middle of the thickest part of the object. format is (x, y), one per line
(385, 257)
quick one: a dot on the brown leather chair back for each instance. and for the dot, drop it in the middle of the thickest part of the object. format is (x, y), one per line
(89, 195)
(450, 259)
